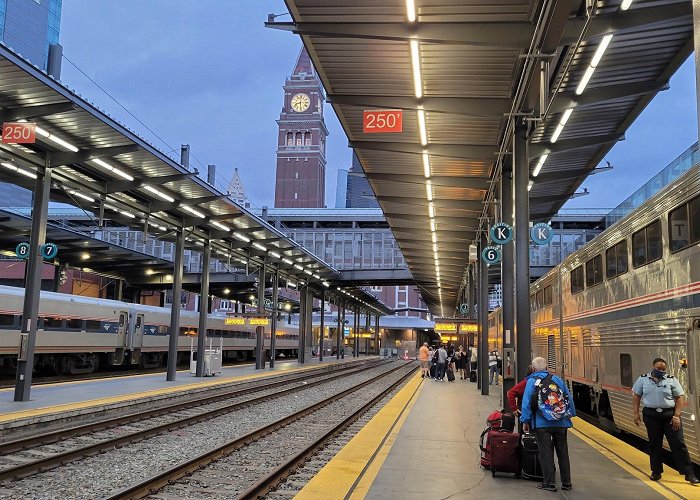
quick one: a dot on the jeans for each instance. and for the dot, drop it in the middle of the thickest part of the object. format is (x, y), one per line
(549, 439)
(658, 425)
(493, 374)
(440, 371)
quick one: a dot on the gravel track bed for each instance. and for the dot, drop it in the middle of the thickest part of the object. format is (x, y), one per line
(95, 476)
(73, 443)
(230, 475)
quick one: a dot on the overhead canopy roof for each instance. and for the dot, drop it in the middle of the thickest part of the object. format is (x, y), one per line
(469, 69)
(102, 167)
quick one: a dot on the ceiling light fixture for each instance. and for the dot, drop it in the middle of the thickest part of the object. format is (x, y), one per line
(432, 225)
(626, 4)
(241, 237)
(44, 133)
(594, 63)
(538, 167)
(275, 255)
(560, 127)
(81, 195)
(431, 210)
(112, 169)
(530, 184)
(21, 171)
(421, 127)
(220, 226)
(259, 246)
(426, 165)
(411, 11)
(193, 211)
(415, 62)
(287, 261)
(429, 190)
(158, 193)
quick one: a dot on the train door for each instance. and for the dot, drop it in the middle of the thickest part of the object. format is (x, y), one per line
(136, 338)
(122, 332)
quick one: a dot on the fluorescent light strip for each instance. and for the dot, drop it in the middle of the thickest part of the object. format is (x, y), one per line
(112, 169)
(435, 248)
(415, 62)
(426, 165)
(584, 81)
(429, 190)
(594, 64)
(301, 268)
(81, 195)
(433, 236)
(193, 211)
(56, 139)
(538, 167)
(562, 122)
(275, 255)
(421, 128)
(411, 11)
(317, 276)
(530, 184)
(158, 193)
(308, 272)
(626, 4)
(432, 225)
(220, 226)
(287, 261)
(241, 237)
(431, 210)
(259, 246)
(21, 171)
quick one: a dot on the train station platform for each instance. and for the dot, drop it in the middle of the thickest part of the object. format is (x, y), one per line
(424, 444)
(78, 398)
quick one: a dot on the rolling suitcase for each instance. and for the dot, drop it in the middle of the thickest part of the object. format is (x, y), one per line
(505, 452)
(472, 376)
(530, 464)
(450, 375)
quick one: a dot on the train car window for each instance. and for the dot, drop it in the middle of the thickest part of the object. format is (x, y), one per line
(122, 319)
(163, 330)
(654, 244)
(594, 271)
(7, 320)
(577, 280)
(533, 302)
(74, 324)
(621, 254)
(626, 378)
(639, 249)
(694, 210)
(548, 296)
(92, 325)
(138, 321)
(540, 299)
(53, 323)
(679, 228)
(610, 262)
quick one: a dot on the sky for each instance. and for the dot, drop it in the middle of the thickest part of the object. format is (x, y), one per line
(209, 74)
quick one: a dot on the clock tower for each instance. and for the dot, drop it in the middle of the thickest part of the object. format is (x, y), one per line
(301, 143)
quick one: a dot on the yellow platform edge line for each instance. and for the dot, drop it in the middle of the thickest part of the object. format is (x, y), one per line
(365, 452)
(79, 405)
(635, 462)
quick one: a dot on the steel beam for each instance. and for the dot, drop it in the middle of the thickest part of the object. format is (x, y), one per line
(476, 152)
(30, 112)
(566, 100)
(539, 148)
(260, 330)
(203, 307)
(175, 307)
(470, 106)
(466, 205)
(32, 293)
(69, 158)
(521, 176)
(275, 313)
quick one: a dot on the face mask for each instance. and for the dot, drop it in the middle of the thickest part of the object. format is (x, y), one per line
(658, 373)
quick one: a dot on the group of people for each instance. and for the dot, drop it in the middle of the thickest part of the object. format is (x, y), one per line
(659, 392)
(446, 358)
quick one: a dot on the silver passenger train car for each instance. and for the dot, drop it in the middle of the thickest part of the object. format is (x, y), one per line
(629, 296)
(82, 334)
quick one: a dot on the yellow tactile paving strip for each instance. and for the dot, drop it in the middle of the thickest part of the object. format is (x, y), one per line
(353, 469)
(79, 405)
(673, 485)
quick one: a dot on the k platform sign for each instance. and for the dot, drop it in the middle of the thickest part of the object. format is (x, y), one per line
(541, 234)
(501, 233)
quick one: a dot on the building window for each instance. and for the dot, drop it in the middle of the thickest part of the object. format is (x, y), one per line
(296, 175)
(626, 378)
(295, 196)
(290, 139)
(577, 280)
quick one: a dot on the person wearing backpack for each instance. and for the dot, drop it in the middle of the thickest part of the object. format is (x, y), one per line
(494, 360)
(547, 410)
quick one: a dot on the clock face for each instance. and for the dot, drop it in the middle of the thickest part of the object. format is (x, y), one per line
(300, 102)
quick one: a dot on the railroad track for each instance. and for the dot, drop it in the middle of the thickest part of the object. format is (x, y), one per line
(27, 456)
(256, 462)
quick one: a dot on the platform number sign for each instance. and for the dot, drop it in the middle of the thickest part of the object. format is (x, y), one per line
(491, 255)
(541, 234)
(18, 133)
(49, 250)
(501, 233)
(22, 251)
(382, 121)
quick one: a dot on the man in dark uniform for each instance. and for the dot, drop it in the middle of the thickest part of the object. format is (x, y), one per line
(662, 397)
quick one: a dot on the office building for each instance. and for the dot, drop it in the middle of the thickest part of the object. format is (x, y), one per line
(359, 192)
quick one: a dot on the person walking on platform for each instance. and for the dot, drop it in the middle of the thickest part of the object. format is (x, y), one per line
(494, 358)
(462, 359)
(441, 363)
(663, 399)
(423, 354)
(547, 409)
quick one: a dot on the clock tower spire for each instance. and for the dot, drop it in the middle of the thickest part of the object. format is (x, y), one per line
(301, 144)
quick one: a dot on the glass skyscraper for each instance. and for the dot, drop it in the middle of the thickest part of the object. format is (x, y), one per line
(30, 27)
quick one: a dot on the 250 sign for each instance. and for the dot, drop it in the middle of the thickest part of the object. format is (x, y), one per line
(382, 121)
(18, 133)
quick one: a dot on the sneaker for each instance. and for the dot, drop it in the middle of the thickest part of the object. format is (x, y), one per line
(692, 479)
(655, 476)
(422, 375)
(548, 487)
(566, 486)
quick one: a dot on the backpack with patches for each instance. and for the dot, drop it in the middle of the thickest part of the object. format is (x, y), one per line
(551, 401)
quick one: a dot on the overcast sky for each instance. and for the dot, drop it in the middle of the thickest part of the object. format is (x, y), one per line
(208, 73)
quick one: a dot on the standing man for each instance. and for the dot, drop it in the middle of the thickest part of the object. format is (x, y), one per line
(547, 410)
(662, 397)
(423, 354)
(441, 363)
(494, 358)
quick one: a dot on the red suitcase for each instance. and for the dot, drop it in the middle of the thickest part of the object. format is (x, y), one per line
(505, 452)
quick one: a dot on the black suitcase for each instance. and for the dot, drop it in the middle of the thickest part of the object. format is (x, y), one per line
(472, 376)
(530, 464)
(450, 376)
(432, 371)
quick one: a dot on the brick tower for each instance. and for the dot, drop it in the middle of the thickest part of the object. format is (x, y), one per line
(301, 144)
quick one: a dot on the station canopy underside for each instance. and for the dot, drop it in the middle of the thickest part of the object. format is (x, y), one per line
(462, 72)
(99, 165)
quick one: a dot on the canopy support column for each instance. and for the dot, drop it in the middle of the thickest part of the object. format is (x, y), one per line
(507, 268)
(260, 330)
(175, 307)
(275, 313)
(483, 290)
(521, 178)
(203, 307)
